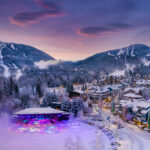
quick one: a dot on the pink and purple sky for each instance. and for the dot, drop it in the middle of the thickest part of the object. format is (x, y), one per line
(75, 29)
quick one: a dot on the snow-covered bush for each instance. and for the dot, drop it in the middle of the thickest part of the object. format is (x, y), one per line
(74, 105)
(66, 105)
(77, 105)
(49, 98)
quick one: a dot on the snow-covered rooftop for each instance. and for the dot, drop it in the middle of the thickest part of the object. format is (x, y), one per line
(47, 110)
(143, 82)
(132, 95)
(136, 89)
(145, 111)
(102, 90)
(135, 104)
(79, 91)
(135, 109)
(144, 104)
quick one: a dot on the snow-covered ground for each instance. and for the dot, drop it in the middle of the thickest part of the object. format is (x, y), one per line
(75, 136)
(130, 137)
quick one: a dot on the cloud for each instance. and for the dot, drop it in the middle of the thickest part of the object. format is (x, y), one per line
(45, 64)
(26, 18)
(51, 5)
(121, 25)
(100, 30)
(127, 6)
(118, 73)
(145, 62)
(94, 31)
(6, 70)
(50, 9)
(128, 67)
(18, 72)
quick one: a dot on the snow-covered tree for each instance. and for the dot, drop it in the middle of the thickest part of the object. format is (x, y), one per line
(77, 105)
(79, 145)
(69, 144)
(98, 142)
(25, 101)
(39, 90)
(66, 105)
(69, 87)
(85, 107)
(49, 98)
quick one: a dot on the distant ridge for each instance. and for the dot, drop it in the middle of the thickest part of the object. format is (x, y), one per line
(135, 54)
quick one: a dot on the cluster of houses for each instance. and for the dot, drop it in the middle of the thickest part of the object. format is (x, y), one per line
(143, 83)
(135, 106)
(131, 103)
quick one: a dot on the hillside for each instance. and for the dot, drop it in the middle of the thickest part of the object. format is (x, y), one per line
(18, 56)
(136, 55)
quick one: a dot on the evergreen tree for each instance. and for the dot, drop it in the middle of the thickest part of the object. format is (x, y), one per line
(83, 88)
(25, 101)
(1, 95)
(6, 89)
(69, 88)
(49, 98)
(39, 90)
(111, 80)
(11, 86)
(77, 105)
(16, 90)
(66, 105)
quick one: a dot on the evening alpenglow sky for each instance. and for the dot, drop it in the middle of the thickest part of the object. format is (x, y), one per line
(75, 29)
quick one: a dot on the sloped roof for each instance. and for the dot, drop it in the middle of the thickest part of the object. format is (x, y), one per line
(132, 95)
(47, 110)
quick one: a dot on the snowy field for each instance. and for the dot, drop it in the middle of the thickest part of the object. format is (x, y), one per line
(74, 135)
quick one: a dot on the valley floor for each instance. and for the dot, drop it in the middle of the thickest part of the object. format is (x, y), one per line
(76, 135)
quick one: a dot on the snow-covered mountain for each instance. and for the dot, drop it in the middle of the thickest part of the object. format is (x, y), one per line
(14, 57)
(130, 57)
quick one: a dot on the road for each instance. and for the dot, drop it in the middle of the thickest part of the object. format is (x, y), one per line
(131, 137)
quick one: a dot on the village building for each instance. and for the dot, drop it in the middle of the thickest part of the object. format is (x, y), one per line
(131, 96)
(47, 112)
(143, 82)
(136, 90)
(135, 111)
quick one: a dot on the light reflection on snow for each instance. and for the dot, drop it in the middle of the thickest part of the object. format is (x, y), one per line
(24, 135)
(43, 125)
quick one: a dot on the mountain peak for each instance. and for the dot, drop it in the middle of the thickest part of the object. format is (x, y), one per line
(118, 59)
(137, 46)
(17, 56)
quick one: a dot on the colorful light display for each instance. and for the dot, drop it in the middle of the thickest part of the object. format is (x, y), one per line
(41, 125)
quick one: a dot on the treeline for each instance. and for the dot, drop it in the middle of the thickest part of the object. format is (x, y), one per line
(58, 76)
(14, 94)
(32, 86)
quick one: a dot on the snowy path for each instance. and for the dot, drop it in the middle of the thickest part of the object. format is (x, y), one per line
(74, 133)
(131, 137)
(130, 140)
(137, 139)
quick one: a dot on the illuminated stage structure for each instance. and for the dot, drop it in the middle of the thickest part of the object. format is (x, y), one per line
(38, 113)
(40, 120)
